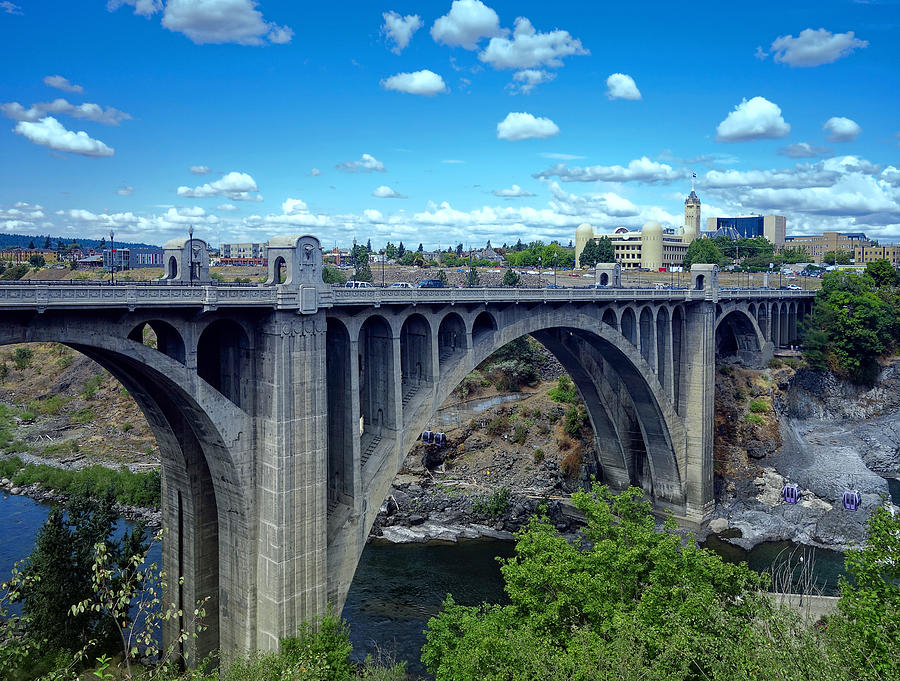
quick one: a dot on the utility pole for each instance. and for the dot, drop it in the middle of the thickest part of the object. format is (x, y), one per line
(383, 256)
(555, 258)
(191, 252)
(112, 257)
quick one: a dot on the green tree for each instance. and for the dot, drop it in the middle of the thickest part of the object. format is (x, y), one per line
(442, 277)
(390, 251)
(102, 243)
(472, 278)
(632, 602)
(883, 273)
(37, 261)
(60, 567)
(332, 275)
(420, 249)
(606, 252)
(459, 250)
(47, 242)
(702, 251)
(369, 246)
(829, 258)
(401, 249)
(31, 244)
(363, 272)
(511, 277)
(866, 631)
(590, 256)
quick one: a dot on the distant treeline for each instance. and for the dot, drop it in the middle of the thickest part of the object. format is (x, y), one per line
(22, 241)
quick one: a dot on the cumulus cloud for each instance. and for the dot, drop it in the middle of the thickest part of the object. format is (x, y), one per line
(293, 206)
(812, 48)
(841, 129)
(400, 29)
(62, 84)
(49, 132)
(88, 110)
(525, 81)
(513, 192)
(10, 8)
(529, 49)
(385, 192)
(621, 86)
(467, 22)
(200, 170)
(803, 150)
(315, 172)
(125, 191)
(523, 126)
(373, 215)
(213, 21)
(226, 207)
(638, 170)
(366, 164)
(423, 82)
(802, 176)
(753, 119)
(236, 186)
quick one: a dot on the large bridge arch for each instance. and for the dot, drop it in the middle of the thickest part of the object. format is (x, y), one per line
(738, 334)
(204, 508)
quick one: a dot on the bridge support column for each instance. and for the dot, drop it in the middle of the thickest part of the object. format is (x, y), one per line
(291, 471)
(698, 394)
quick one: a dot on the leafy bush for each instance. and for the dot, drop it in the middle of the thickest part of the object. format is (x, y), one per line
(492, 504)
(22, 358)
(50, 405)
(332, 275)
(15, 272)
(126, 427)
(576, 419)
(538, 455)
(564, 391)
(760, 406)
(571, 463)
(91, 386)
(133, 489)
(520, 432)
(84, 416)
(65, 361)
(498, 426)
(754, 418)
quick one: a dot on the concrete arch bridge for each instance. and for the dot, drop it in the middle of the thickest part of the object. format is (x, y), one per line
(284, 410)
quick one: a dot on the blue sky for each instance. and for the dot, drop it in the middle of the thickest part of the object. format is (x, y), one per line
(444, 122)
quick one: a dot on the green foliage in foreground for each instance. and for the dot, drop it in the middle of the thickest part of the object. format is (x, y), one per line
(564, 391)
(637, 603)
(855, 320)
(132, 489)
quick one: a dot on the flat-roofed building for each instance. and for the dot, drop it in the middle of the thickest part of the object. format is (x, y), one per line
(772, 227)
(243, 251)
(817, 245)
(863, 255)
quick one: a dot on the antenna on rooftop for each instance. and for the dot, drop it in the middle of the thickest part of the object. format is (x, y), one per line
(693, 177)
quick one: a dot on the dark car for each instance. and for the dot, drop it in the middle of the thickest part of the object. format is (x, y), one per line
(430, 283)
(554, 286)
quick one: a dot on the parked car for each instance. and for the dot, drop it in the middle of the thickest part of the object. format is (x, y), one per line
(793, 287)
(357, 284)
(596, 286)
(430, 283)
(402, 284)
(554, 286)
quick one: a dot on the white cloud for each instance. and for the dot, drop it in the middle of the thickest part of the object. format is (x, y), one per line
(638, 170)
(49, 132)
(200, 170)
(529, 49)
(467, 22)
(423, 82)
(125, 190)
(213, 21)
(385, 192)
(452, 161)
(755, 119)
(525, 81)
(366, 164)
(621, 86)
(10, 8)
(400, 29)
(293, 206)
(373, 215)
(841, 129)
(144, 8)
(88, 110)
(513, 192)
(236, 186)
(315, 172)
(802, 176)
(62, 84)
(523, 126)
(226, 207)
(812, 48)
(803, 150)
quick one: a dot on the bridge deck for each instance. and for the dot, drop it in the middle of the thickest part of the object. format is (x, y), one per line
(69, 295)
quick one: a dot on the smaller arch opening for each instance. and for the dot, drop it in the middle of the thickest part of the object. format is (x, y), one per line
(161, 336)
(172, 267)
(451, 338)
(629, 326)
(483, 326)
(604, 279)
(223, 358)
(609, 318)
(701, 282)
(647, 329)
(736, 337)
(280, 270)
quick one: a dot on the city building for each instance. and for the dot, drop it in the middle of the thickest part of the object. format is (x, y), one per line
(772, 227)
(818, 245)
(23, 255)
(651, 247)
(863, 255)
(132, 258)
(243, 251)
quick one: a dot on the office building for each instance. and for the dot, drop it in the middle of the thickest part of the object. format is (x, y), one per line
(817, 245)
(772, 227)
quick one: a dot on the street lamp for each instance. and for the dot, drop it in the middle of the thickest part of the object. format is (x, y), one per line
(555, 255)
(191, 253)
(383, 256)
(112, 257)
(540, 280)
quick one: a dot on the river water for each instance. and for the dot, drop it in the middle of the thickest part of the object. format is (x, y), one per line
(397, 588)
